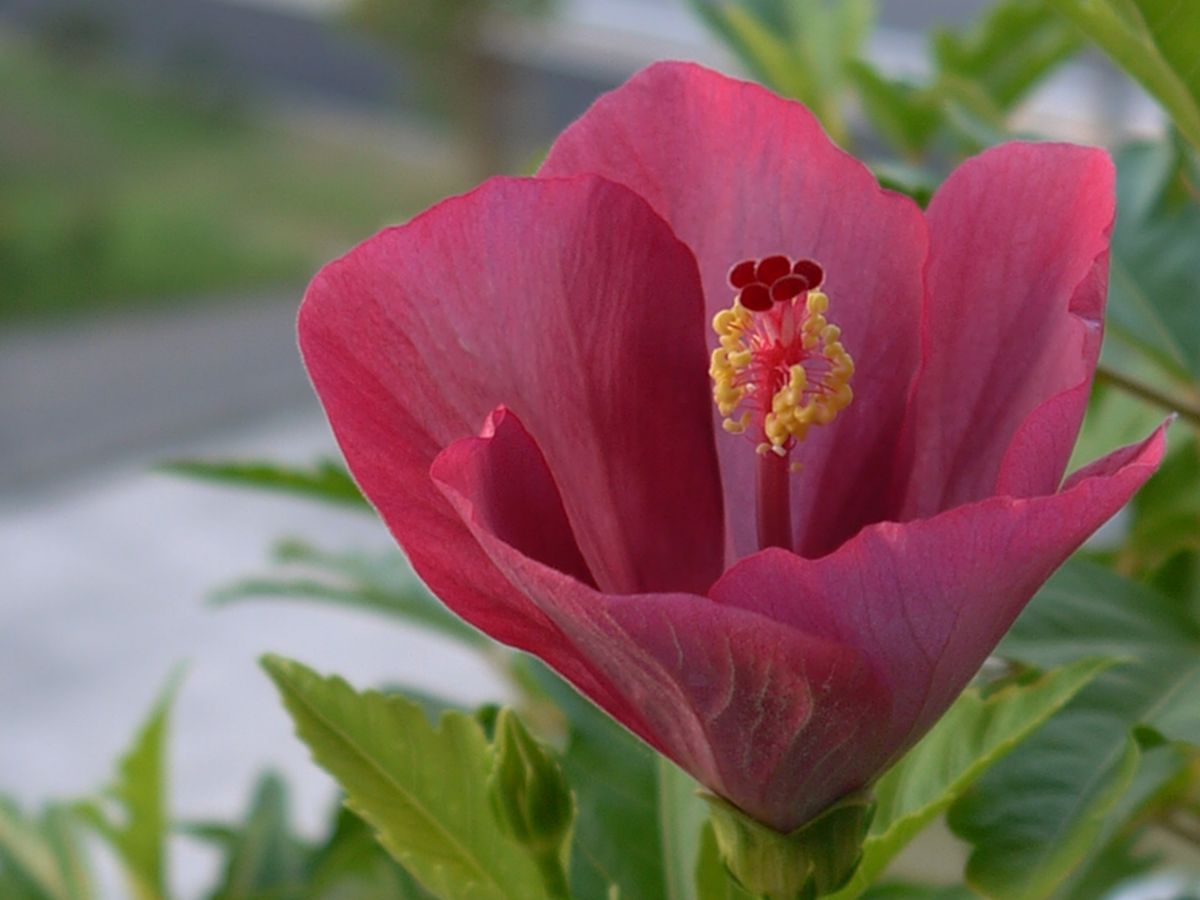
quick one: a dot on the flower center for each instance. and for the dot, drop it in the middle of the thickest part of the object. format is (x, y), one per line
(780, 361)
(779, 369)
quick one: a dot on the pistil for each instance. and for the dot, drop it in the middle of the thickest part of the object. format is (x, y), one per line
(774, 504)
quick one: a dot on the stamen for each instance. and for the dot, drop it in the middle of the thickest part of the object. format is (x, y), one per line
(780, 368)
(780, 355)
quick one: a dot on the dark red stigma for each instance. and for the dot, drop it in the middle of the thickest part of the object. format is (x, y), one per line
(773, 279)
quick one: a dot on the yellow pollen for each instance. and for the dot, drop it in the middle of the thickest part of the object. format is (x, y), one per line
(788, 362)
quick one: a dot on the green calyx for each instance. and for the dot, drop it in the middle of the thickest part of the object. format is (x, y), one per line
(816, 859)
(531, 800)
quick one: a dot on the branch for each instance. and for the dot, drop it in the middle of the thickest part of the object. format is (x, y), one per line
(1187, 409)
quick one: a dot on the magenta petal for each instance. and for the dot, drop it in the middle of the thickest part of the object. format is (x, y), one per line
(926, 601)
(740, 173)
(760, 713)
(570, 302)
(1016, 285)
(516, 493)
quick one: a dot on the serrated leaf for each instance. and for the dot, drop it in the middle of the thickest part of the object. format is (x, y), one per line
(1155, 41)
(380, 583)
(423, 790)
(325, 480)
(132, 814)
(1036, 815)
(40, 857)
(972, 736)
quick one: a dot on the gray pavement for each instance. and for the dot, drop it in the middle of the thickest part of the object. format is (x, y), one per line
(107, 563)
(103, 594)
(93, 393)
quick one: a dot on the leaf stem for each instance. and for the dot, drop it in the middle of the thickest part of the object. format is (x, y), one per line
(1187, 409)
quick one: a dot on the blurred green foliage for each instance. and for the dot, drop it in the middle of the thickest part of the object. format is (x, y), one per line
(801, 48)
(443, 43)
(115, 192)
(1155, 42)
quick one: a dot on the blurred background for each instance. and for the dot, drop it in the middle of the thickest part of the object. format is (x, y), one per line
(171, 174)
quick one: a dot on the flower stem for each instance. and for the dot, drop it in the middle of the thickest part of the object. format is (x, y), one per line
(774, 502)
(1150, 394)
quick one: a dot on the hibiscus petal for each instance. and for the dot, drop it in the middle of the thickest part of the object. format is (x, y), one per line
(1016, 283)
(758, 712)
(740, 173)
(572, 303)
(926, 601)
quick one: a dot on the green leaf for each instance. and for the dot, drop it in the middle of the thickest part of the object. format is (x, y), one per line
(1007, 51)
(325, 480)
(1154, 304)
(132, 813)
(351, 865)
(40, 858)
(1036, 815)
(423, 790)
(1019, 857)
(1114, 857)
(1086, 610)
(1155, 41)
(971, 737)
(681, 816)
(906, 115)
(263, 857)
(799, 48)
(1167, 510)
(913, 181)
(380, 583)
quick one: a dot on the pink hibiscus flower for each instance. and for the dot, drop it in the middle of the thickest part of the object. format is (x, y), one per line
(520, 381)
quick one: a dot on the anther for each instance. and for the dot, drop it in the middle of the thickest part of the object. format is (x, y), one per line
(810, 271)
(771, 269)
(742, 274)
(787, 287)
(756, 297)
